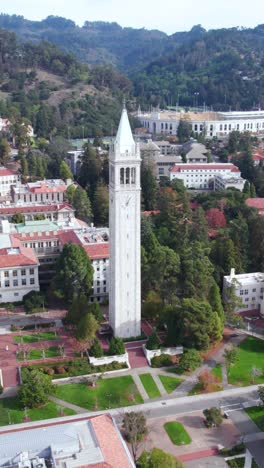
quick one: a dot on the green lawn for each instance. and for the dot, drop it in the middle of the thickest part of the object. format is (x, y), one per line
(149, 385)
(177, 433)
(11, 412)
(32, 338)
(250, 353)
(109, 393)
(257, 414)
(217, 371)
(53, 351)
(169, 383)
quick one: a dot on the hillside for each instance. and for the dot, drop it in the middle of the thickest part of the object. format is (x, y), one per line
(58, 94)
(221, 68)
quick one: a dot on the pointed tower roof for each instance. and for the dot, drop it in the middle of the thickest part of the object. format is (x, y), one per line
(124, 138)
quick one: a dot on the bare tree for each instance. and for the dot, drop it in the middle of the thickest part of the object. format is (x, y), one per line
(255, 372)
(134, 426)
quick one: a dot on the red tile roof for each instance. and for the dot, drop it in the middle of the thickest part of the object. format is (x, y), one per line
(23, 257)
(110, 443)
(257, 203)
(179, 167)
(69, 236)
(97, 251)
(34, 208)
(5, 172)
(44, 188)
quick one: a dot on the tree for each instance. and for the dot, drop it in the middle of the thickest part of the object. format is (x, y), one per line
(90, 169)
(254, 373)
(156, 458)
(78, 308)
(18, 218)
(96, 349)
(190, 360)
(152, 342)
(4, 152)
(149, 188)
(65, 172)
(74, 273)
(116, 347)
(196, 270)
(207, 380)
(82, 205)
(24, 166)
(213, 417)
(231, 355)
(134, 426)
(96, 310)
(69, 194)
(101, 205)
(214, 299)
(35, 389)
(261, 393)
(200, 326)
(87, 328)
(183, 131)
(232, 302)
(216, 218)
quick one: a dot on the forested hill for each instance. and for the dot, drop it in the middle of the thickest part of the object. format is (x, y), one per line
(57, 93)
(95, 42)
(221, 68)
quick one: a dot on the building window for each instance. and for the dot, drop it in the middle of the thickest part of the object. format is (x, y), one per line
(15, 283)
(98, 290)
(24, 282)
(32, 280)
(253, 299)
(254, 290)
(246, 291)
(246, 300)
(133, 175)
(23, 272)
(127, 175)
(6, 274)
(104, 290)
(31, 271)
(241, 292)
(122, 176)
(14, 273)
(7, 284)
(98, 283)
(16, 294)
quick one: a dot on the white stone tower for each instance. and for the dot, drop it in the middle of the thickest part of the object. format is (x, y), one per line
(124, 211)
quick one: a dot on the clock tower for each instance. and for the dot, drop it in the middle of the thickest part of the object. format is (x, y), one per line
(124, 222)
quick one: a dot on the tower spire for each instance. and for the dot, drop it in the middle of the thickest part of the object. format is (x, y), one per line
(124, 138)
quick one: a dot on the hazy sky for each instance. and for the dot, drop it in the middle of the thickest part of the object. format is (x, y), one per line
(166, 15)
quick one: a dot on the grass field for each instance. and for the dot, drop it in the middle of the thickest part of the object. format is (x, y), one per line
(169, 383)
(250, 353)
(109, 393)
(149, 385)
(53, 351)
(11, 412)
(33, 337)
(217, 371)
(177, 433)
(257, 415)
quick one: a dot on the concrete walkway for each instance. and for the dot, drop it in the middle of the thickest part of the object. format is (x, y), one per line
(140, 386)
(243, 422)
(159, 384)
(77, 409)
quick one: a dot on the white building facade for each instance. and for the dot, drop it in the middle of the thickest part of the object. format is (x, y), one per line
(210, 124)
(7, 180)
(249, 287)
(207, 176)
(125, 270)
(43, 191)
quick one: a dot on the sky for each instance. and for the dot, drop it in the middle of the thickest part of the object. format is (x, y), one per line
(166, 15)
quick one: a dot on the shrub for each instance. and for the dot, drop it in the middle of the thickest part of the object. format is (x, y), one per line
(33, 302)
(190, 360)
(116, 347)
(152, 342)
(49, 371)
(164, 360)
(59, 370)
(96, 349)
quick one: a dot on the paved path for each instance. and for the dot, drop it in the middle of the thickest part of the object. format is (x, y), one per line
(243, 422)
(140, 386)
(159, 384)
(77, 409)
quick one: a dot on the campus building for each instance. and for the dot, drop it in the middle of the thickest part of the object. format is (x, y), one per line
(18, 269)
(59, 212)
(42, 191)
(249, 287)
(208, 124)
(68, 442)
(43, 241)
(8, 179)
(208, 176)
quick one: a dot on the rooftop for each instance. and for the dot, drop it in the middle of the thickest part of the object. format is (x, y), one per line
(212, 166)
(68, 443)
(257, 203)
(124, 138)
(247, 278)
(13, 254)
(42, 186)
(33, 208)
(6, 172)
